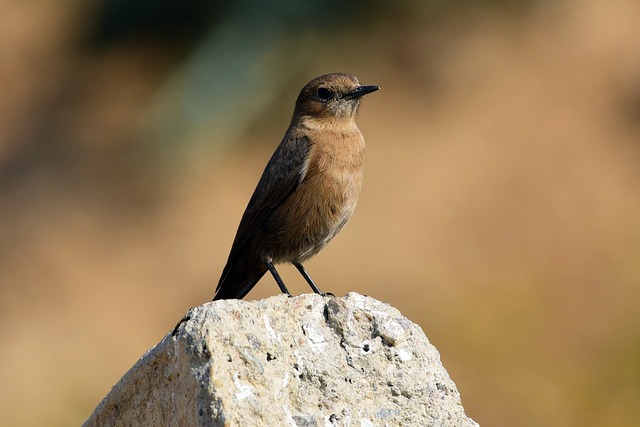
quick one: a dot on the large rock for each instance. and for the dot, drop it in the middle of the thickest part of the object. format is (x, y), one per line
(303, 361)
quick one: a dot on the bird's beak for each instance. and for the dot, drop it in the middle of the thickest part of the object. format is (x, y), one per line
(361, 91)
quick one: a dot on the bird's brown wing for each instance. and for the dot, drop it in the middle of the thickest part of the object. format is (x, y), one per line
(283, 174)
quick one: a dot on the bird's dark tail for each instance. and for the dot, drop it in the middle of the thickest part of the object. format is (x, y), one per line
(238, 278)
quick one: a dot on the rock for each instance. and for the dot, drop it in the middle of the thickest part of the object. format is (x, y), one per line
(302, 361)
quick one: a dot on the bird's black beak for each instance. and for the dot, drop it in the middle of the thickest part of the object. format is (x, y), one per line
(361, 91)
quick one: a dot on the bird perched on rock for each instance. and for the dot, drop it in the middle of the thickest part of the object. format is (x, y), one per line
(307, 191)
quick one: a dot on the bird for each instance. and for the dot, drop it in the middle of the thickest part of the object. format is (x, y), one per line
(308, 190)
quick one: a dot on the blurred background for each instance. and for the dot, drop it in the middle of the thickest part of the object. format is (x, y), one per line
(500, 209)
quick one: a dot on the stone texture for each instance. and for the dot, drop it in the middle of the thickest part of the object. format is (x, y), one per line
(302, 361)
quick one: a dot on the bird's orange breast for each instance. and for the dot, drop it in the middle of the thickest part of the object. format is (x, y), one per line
(327, 196)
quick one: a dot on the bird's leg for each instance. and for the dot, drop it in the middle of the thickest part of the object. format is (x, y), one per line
(276, 276)
(309, 279)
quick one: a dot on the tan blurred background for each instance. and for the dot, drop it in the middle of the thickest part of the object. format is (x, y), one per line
(500, 210)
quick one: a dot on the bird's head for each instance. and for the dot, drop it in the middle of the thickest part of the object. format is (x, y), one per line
(331, 97)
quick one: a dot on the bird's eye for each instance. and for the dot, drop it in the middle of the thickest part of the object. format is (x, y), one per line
(323, 94)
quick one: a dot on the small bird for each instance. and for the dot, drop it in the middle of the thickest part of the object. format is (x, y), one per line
(307, 191)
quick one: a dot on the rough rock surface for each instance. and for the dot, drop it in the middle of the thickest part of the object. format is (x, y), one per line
(302, 361)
